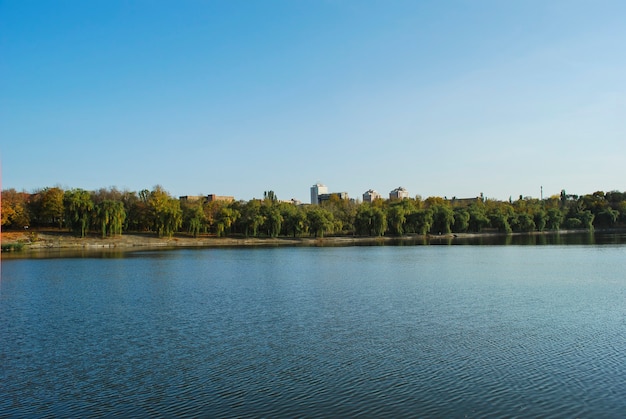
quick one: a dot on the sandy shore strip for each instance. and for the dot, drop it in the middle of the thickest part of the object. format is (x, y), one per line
(63, 240)
(30, 242)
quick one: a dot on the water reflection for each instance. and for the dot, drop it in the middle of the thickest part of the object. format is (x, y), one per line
(535, 239)
(530, 239)
(412, 331)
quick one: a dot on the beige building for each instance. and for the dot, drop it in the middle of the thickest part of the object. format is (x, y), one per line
(206, 198)
(371, 195)
(399, 193)
(191, 198)
(213, 197)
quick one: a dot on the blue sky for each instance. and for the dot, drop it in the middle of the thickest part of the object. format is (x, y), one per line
(445, 98)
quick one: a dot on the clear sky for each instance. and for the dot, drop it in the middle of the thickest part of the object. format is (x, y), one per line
(444, 98)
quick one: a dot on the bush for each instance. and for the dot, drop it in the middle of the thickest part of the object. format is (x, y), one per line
(12, 247)
(573, 223)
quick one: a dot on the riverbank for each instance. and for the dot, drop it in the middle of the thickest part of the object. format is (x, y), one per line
(39, 242)
(46, 240)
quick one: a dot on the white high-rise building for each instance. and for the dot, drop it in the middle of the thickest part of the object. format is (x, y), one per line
(399, 193)
(371, 196)
(317, 190)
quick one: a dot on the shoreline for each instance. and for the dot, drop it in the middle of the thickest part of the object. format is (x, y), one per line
(32, 242)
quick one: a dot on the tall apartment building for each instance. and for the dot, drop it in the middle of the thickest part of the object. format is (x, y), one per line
(317, 190)
(399, 193)
(371, 196)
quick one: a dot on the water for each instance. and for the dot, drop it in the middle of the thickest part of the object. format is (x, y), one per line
(445, 331)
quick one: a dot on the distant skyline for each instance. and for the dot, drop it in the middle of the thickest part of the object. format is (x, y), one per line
(444, 98)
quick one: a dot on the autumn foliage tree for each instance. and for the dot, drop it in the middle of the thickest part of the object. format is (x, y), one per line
(167, 216)
(111, 212)
(14, 209)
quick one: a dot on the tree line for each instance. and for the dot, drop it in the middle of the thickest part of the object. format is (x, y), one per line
(111, 212)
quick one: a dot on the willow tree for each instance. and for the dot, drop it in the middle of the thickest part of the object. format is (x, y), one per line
(193, 217)
(500, 219)
(110, 216)
(523, 222)
(396, 217)
(370, 220)
(251, 217)
(443, 219)
(78, 209)
(226, 217)
(607, 217)
(273, 218)
(478, 217)
(320, 221)
(555, 218)
(461, 219)
(363, 220)
(420, 221)
(294, 219)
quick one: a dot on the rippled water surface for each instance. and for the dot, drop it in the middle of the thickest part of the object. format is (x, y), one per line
(447, 331)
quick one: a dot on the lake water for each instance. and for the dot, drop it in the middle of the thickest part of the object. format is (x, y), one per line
(411, 331)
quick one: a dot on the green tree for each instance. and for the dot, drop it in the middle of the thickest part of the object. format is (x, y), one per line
(478, 217)
(420, 221)
(294, 220)
(167, 216)
(379, 221)
(110, 216)
(138, 217)
(251, 217)
(524, 223)
(343, 211)
(461, 220)
(363, 220)
(226, 218)
(615, 197)
(621, 208)
(554, 219)
(563, 198)
(540, 219)
(193, 217)
(78, 206)
(586, 218)
(320, 221)
(370, 220)
(607, 217)
(52, 206)
(573, 223)
(273, 219)
(396, 217)
(270, 196)
(45, 207)
(443, 218)
(500, 219)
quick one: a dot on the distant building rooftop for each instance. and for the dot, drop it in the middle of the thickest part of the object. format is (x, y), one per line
(206, 198)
